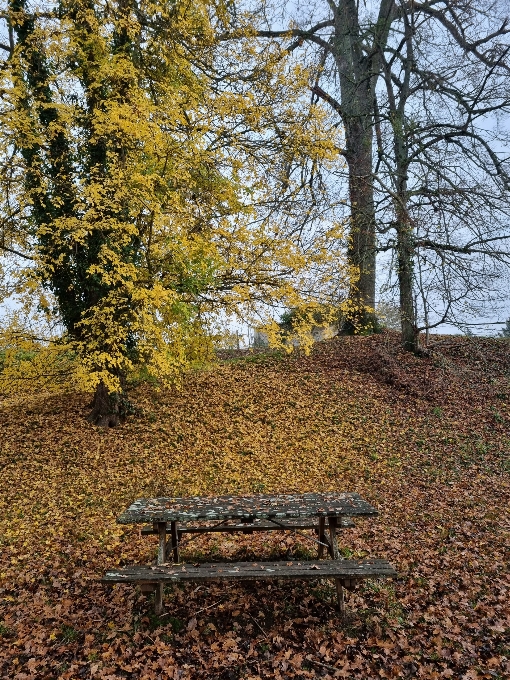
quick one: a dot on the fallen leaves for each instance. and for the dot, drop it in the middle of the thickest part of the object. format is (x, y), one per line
(434, 462)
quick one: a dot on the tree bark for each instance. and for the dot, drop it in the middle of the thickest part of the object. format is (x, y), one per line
(405, 255)
(405, 232)
(362, 238)
(358, 70)
(109, 409)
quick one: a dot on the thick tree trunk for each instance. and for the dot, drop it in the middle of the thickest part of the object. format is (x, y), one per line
(109, 409)
(362, 239)
(358, 73)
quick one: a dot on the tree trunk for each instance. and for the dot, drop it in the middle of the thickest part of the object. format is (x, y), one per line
(358, 73)
(362, 238)
(404, 226)
(405, 240)
(109, 409)
(357, 50)
(410, 335)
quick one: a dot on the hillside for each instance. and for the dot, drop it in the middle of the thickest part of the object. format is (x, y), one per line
(426, 440)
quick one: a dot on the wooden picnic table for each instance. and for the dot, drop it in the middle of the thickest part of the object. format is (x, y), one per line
(259, 512)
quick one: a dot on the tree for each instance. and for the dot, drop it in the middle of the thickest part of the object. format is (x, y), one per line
(505, 333)
(438, 160)
(130, 185)
(376, 65)
(355, 49)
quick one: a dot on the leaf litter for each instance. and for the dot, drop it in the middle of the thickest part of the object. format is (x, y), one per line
(425, 440)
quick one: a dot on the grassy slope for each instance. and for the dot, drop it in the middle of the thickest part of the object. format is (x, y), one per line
(426, 440)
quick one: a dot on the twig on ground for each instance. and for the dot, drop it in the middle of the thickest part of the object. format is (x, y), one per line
(209, 607)
(259, 626)
(323, 665)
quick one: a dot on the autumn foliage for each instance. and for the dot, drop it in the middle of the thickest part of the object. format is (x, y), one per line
(425, 440)
(152, 181)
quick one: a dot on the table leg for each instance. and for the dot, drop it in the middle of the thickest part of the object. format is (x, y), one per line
(161, 529)
(158, 601)
(321, 534)
(247, 521)
(333, 549)
(335, 554)
(175, 541)
(340, 597)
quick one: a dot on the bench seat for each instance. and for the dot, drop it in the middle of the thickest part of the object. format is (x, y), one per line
(346, 573)
(350, 570)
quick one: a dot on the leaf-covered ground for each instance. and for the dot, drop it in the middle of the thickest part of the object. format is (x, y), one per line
(425, 440)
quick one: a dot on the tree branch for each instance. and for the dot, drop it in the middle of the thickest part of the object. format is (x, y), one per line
(335, 105)
(440, 15)
(16, 252)
(465, 250)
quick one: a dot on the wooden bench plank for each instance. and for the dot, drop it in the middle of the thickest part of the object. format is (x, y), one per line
(257, 525)
(242, 571)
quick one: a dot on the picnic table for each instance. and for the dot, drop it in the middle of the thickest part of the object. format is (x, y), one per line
(323, 513)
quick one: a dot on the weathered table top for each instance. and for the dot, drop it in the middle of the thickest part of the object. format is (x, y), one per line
(259, 506)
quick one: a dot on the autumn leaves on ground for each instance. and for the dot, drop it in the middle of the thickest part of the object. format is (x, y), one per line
(426, 440)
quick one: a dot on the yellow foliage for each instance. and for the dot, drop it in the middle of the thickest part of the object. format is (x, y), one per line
(145, 194)
(30, 364)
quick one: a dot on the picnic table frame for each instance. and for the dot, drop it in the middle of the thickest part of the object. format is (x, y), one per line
(255, 512)
(259, 512)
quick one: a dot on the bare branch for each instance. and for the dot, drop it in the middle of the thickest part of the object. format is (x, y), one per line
(335, 105)
(464, 250)
(440, 15)
(16, 252)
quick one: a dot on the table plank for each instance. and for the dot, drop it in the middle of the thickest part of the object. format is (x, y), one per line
(258, 506)
(352, 569)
